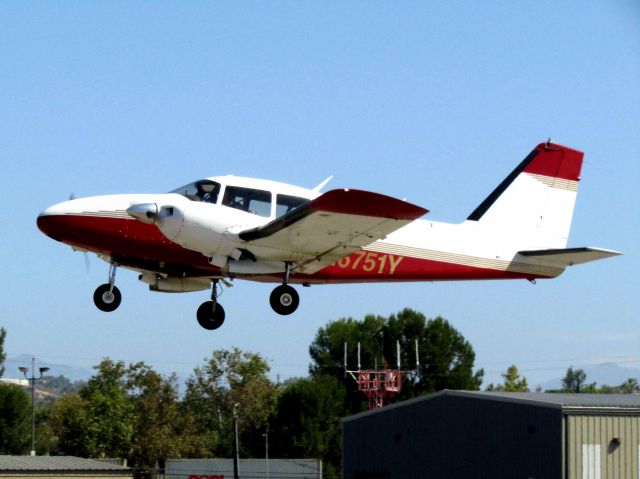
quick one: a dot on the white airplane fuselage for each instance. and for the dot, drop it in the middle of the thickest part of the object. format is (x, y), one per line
(235, 227)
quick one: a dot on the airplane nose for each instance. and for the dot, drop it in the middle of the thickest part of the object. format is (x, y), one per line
(51, 221)
(145, 212)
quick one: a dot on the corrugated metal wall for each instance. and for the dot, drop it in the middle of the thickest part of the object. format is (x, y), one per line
(593, 453)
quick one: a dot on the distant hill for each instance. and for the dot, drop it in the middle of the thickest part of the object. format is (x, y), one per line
(72, 373)
(610, 374)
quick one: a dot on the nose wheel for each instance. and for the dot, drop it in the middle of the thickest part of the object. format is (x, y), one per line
(210, 314)
(107, 296)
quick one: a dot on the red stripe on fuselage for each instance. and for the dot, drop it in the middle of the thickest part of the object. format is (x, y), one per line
(142, 246)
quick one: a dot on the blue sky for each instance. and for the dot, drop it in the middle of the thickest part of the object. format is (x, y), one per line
(430, 101)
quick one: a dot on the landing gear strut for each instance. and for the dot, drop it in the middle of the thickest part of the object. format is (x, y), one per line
(211, 313)
(284, 299)
(107, 296)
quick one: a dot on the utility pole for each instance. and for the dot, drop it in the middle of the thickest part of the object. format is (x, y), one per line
(236, 451)
(33, 380)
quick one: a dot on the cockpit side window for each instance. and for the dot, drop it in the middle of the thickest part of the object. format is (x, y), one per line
(250, 200)
(286, 203)
(203, 190)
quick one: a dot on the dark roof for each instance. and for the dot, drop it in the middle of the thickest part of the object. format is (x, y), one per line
(58, 463)
(567, 402)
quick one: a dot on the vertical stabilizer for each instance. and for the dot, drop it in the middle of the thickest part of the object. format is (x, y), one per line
(534, 204)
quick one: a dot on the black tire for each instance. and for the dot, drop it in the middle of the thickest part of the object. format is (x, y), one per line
(106, 298)
(284, 299)
(208, 318)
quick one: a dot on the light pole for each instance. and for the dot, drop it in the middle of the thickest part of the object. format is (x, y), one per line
(236, 449)
(266, 452)
(33, 380)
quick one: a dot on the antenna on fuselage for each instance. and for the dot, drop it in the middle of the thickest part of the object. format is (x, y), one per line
(322, 185)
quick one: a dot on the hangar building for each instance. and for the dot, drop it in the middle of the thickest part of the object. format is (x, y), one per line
(462, 434)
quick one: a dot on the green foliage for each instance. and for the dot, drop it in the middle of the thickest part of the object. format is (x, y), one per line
(136, 413)
(230, 378)
(3, 355)
(15, 420)
(307, 421)
(630, 386)
(512, 382)
(99, 421)
(156, 421)
(446, 358)
(132, 413)
(573, 380)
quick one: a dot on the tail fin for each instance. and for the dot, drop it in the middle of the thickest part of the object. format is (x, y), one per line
(535, 202)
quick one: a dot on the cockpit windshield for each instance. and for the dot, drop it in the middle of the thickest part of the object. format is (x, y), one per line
(203, 190)
(251, 200)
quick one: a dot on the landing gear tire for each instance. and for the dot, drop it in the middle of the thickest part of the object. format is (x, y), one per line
(284, 299)
(107, 298)
(210, 316)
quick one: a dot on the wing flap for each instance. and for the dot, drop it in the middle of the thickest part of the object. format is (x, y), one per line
(329, 227)
(570, 256)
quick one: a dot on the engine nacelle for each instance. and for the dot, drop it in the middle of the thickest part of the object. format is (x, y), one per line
(207, 228)
(210, 229)
(171, 284)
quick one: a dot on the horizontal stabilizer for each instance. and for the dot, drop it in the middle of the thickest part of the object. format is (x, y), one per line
(569, 256)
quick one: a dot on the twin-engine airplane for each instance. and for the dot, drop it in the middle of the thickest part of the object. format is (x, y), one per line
(229, 227)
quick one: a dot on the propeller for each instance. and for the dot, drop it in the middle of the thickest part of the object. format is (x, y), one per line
(85, 253)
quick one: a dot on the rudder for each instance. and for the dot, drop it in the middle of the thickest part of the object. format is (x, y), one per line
(535, 202)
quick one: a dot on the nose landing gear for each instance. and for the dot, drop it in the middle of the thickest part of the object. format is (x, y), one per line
(107, 296)
(211, 314)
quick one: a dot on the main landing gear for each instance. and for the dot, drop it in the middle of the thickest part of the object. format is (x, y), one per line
(210, 315)
(284, 300)
(107, 296)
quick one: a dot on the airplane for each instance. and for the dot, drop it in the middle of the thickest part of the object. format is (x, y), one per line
(217, 229)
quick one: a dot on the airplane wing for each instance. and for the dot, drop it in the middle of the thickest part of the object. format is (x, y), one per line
(328, 228)
(569, 256)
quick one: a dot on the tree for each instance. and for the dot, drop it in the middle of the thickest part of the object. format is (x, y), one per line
(446, 358)
(3, 355)
(99, 420)
(15, 420)
(231, 379)
(159, 429)
(630, 386)
(307, 421)
(573, 380)
(512, 382)
(130, 412)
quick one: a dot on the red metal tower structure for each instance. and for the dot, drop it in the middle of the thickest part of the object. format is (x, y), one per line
(380, 385)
